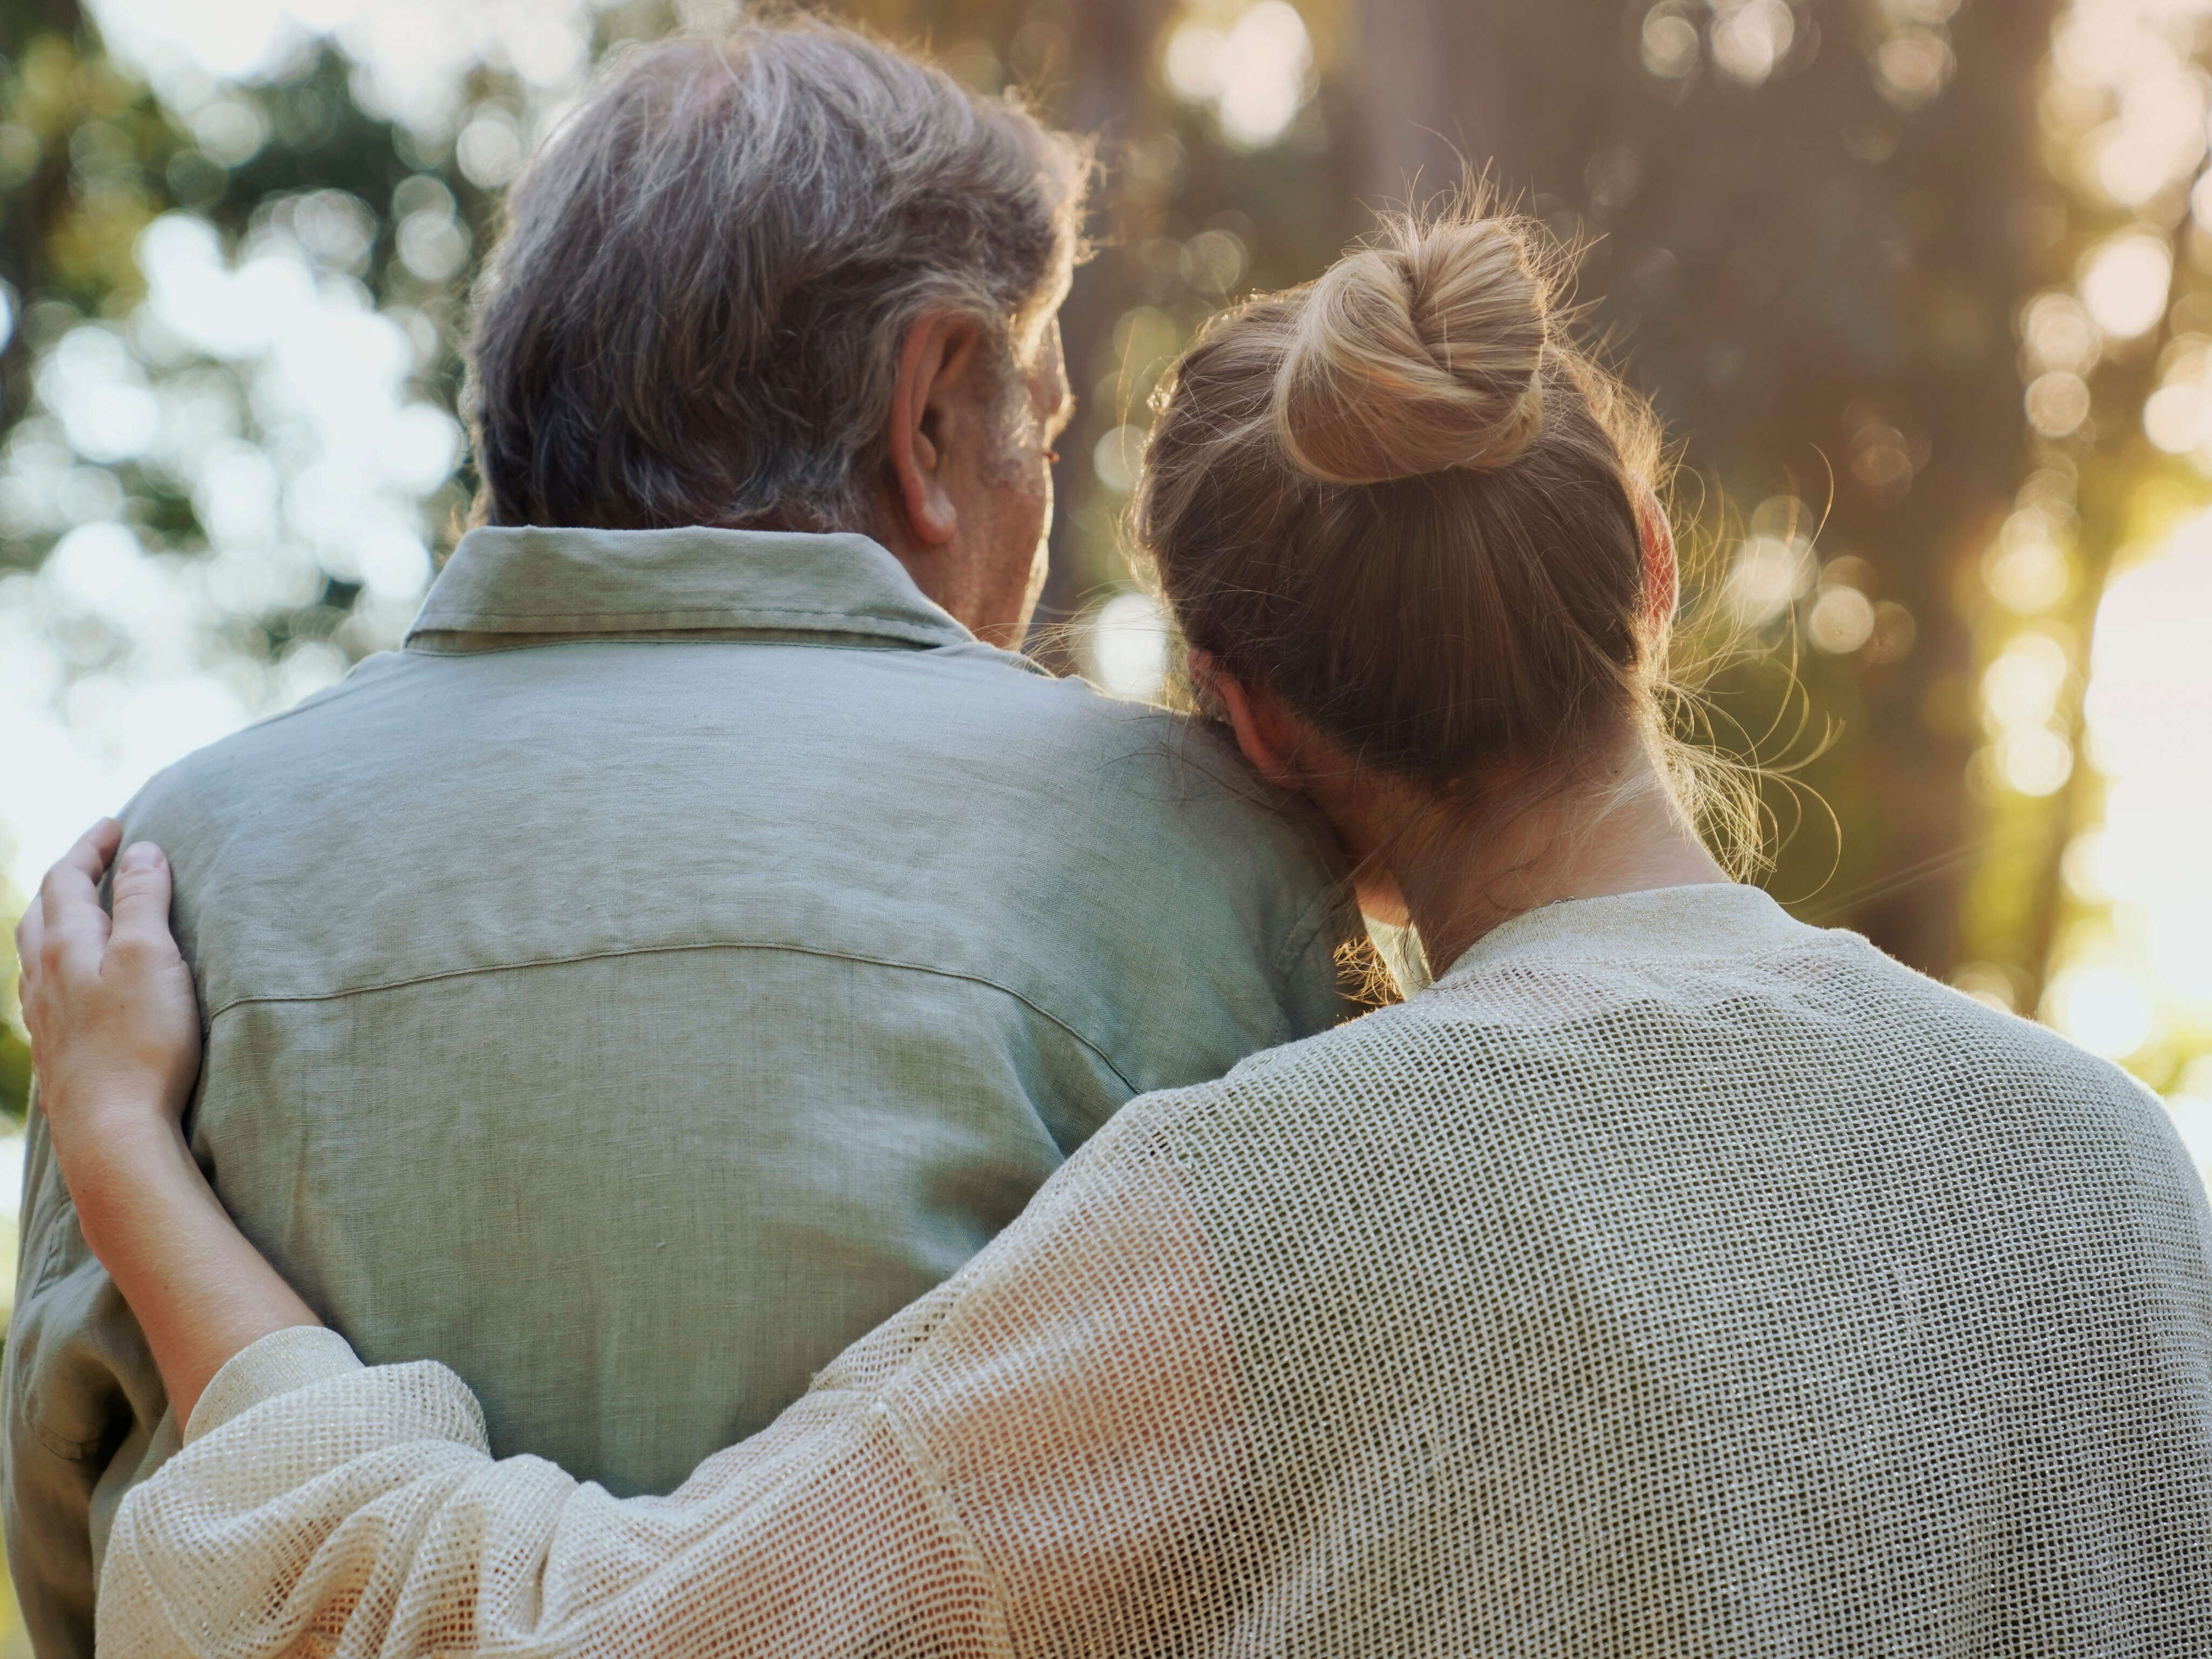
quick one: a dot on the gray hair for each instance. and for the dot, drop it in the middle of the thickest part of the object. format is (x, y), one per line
(695, 315)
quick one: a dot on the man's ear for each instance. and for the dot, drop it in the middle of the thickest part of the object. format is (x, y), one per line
(1262, 728)
(937, 360)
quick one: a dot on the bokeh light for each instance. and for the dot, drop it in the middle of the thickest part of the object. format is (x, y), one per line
(413, 57)
(1842, 620)
(1671, 42)
(1750, 37)
(2125, 283)
(1254, 66)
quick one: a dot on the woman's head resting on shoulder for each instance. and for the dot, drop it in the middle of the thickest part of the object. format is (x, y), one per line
(1412, 538)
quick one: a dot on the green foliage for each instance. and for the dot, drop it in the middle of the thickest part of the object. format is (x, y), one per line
(14, 1051)
(15, 1074)
(93, 158)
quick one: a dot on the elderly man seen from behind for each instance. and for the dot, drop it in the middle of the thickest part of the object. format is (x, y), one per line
(704, 934)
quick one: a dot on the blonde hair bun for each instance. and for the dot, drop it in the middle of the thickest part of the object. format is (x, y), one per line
(1418, 354)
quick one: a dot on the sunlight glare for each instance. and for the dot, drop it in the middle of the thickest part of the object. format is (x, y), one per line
(231, 39)
(2148, 711)
(2192, 1120)
(1129, 646)
(2105, 1008)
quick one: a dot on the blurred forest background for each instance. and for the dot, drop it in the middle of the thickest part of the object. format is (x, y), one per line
(1920, 286)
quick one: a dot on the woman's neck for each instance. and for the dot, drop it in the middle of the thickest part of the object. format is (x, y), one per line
(1618, 833)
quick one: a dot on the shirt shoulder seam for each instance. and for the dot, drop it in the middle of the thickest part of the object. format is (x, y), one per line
(406, 980)
(442, 624)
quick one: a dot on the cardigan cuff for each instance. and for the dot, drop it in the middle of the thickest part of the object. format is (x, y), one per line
(294, 1357)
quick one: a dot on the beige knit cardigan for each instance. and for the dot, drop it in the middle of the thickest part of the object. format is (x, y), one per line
(1670, 1278)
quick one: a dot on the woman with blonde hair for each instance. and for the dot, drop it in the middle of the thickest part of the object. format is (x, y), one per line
(1667, 1277)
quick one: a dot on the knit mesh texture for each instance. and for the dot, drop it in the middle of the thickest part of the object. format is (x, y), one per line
(1669, 1278)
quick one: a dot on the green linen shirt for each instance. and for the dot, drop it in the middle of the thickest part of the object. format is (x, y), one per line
(690, 949)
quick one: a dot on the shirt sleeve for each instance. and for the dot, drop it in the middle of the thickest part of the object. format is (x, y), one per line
(1021, 1463)
(84, 1406)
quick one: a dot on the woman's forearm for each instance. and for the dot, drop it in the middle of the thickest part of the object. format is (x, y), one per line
(201, 1290)
(115, 1034)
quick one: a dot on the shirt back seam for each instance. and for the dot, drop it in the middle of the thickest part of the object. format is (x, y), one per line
(1030, 1003)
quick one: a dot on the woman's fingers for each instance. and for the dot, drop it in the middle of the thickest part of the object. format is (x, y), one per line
(74, 927)
(90, 857)
(139, 900)
(109, 1000)
(28, 933)
(28, 930)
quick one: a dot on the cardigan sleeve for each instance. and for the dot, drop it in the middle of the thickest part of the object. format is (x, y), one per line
(297, 1358)
(84, 1410)
(995, 1470)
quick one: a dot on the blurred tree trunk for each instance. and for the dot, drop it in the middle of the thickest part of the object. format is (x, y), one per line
(1437, 98)
(1816, 286)
(1109, 96)
(1111, 62)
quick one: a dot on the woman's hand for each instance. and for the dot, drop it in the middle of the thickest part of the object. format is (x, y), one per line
(115, 1030)
(115, 1038)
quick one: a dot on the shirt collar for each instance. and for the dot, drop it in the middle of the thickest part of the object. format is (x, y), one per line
(504, 582)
